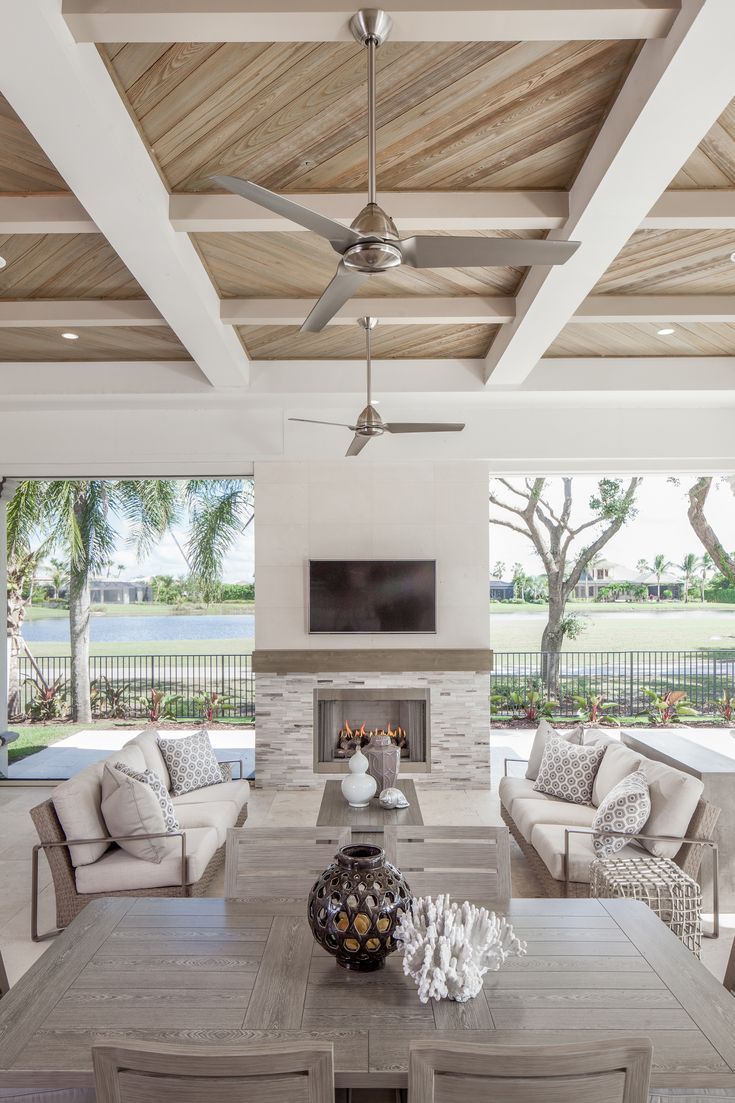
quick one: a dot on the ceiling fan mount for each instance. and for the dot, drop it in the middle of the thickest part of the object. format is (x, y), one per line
(371, 245)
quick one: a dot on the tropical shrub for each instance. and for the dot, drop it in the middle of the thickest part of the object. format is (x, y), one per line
(592, 709)
(530, 703)
(50, 699)
(160, 705)
(211, 704)
(110, 698)
(725, 706)
(238, 591)
(667, 708)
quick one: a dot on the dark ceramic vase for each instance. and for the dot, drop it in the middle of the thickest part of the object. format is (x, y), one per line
(355, 906)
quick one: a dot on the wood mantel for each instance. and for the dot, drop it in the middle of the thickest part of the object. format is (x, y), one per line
(374, 659)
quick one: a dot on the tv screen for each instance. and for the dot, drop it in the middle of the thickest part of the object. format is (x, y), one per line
(372, 595)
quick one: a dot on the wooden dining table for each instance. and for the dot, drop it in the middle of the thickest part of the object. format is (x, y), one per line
(203, 970)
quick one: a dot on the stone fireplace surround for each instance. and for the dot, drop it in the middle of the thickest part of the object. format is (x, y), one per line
(457, 683)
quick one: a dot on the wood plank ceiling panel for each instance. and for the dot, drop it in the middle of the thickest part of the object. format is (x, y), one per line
(271, 265)
(348, 342)
(24, 167)
(64, 266)
(642, 339)
(452, 116)
(665, 262)
(712, 165)
(94, 343)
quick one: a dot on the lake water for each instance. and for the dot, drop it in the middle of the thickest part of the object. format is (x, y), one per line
(111, 629)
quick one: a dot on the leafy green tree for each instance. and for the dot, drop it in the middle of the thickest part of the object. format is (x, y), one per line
(525, 508)
(720, 558)
(688, 568)
(498, 570)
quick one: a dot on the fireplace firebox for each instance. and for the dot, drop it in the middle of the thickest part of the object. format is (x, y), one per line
(345, 717)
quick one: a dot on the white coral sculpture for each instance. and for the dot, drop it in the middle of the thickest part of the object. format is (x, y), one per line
(448, 948)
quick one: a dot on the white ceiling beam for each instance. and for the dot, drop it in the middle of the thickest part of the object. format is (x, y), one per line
(44, 214)
(674, 92)
(655, 308)
(327, 20)
(493, 210)
(630, 374)
(64, 95)
(94, 378)
(95, 312)
(414, 311)
(677, 209)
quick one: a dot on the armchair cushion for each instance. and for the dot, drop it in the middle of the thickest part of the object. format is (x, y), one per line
(147, 742)
(512, 789)
(617, 762)
(191, 761)
(528, 813)
(548, 840)
(674, 798)
(152, 779)
(221, 815)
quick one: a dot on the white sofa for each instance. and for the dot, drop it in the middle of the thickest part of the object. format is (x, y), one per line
(557, 838)
(87, 863)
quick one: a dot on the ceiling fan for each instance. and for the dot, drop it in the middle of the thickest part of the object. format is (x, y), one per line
(371, 244)
(369, 423)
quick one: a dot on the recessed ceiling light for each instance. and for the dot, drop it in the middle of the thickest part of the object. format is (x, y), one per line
(732, 257)
(3, 262)
(70, 336)
(665, 332)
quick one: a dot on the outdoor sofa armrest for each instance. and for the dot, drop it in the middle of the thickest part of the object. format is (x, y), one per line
(608, 832)
(67, 843)
(507, 760)
(232, 762)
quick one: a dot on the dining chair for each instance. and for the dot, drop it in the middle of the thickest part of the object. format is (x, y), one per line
(279, 863)
(584, 1072)
(299, 1072)
(468, 863)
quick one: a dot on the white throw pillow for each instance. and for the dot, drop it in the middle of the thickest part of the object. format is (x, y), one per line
(625, 808)
(674, 798)
(130, 807)
(543, 731)
(617, 762)
(567, 772)
(191, 762)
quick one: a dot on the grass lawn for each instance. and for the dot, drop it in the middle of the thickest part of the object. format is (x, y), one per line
(154, 647)
(671, 626)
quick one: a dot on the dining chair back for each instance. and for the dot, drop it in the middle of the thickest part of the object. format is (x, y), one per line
(301, 1072)
(585, 1072)
(279, 863)
(468, 863)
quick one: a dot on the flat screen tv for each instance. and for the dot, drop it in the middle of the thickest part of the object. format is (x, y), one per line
(372, 595)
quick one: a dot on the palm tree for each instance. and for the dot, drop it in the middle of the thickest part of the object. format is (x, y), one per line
(77, 515)
(657, 568)
(687, 567)
(499, 569)
(58, 575)
(706, 565)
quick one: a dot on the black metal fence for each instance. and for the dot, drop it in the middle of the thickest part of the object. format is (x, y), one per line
(121, 683)
(617, 676)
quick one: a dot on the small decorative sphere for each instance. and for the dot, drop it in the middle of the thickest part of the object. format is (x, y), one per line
(356, 905)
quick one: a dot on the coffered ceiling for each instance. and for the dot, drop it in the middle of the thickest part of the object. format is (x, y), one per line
(618, 133)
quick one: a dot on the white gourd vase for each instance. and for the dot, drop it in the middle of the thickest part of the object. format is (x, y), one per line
(358, 788)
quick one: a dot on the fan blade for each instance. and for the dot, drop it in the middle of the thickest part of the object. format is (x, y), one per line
(343, 286)
(311, 421)
(423, 426)
(483, 252)
(358, 443)
(339, 236)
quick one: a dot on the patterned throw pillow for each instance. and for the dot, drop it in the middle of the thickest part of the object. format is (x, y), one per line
(625, 808)
(191, 762)
(151, 778)
(567, 771)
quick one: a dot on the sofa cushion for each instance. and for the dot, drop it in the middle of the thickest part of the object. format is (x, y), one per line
(511, 789)
(191, 761)
(118, 871)
(131, 756)
(236, 792)
(220, 815)
(548, 841)
(147, 741)
(596, 737)
(130, 807)
(151, 778)
(543, 731)
(567, 771)
(78, 804)
(617, 762)
(625, 808)
(527, 813)
(674, 798)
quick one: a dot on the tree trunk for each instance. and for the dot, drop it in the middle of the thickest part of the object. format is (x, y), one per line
(551, 642)
(697, 500)
(79, 633)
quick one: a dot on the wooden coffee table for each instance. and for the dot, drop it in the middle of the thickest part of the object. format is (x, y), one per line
(334, 810)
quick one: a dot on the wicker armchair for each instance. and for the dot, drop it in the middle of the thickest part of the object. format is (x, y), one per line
(69, 902)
